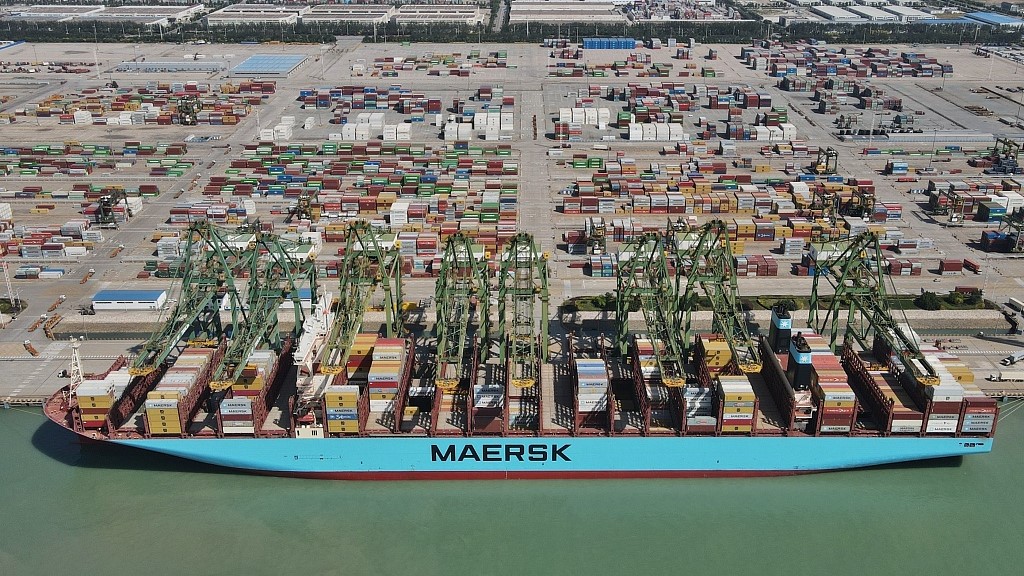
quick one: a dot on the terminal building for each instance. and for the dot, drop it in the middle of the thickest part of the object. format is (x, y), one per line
(53, 12)
(995, 20)
(836, 14)
(128, 300)
(564, 11)
(236, 14)
(427, 13)
(354, 13)
(873, 14)
(908, 14)
(149, 15)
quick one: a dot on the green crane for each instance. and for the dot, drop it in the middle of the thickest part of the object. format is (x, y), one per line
(856, 276)
(522, 282)
(371, 259)
(275, 276)
(644, 279)
(463, 279)
(706, 258)
(209, 265)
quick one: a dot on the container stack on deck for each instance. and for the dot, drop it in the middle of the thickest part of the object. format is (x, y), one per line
(96, 397)
(169, 406)
(236, 416)
(834, 400)
(384, 376)
(341, 405)
(592, 389)
(738, 404)
(902, 405)
(701, 415)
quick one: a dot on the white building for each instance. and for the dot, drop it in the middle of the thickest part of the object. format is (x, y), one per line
(257, 14)
(355, 13)
(908, 14)
(150, 15)
(873, 14)
(54, 12)
(805, 3)
(836, 14)
(564, 11)
(426, 13)
(123, 300)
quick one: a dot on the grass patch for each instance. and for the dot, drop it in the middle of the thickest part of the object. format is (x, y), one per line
(7, 307)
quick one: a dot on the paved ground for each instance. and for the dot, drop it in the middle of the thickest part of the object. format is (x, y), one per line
(541, 176)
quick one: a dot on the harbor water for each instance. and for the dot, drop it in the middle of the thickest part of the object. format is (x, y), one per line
(105, 509)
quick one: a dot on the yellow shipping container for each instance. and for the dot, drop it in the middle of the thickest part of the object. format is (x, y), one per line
(164, 431)
(838, 404)
(341, 403)
(93, 417)
(348, 426)
(100, 401)
(250, 383)
(736, 428)
(739, 396)
(382, 396)
(737, 409)
(163, 395)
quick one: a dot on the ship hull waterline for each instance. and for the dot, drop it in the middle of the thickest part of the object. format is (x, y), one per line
(553, 457)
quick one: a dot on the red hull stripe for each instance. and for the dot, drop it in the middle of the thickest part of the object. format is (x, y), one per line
(536, 475)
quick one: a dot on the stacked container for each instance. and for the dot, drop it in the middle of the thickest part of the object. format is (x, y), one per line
(946, 399)
(179, 383)
(95, 399)
(592, 387)
(835, 401)
(738, 404)
(236, 416)
(700, 409)
(341, 407)
(385, 372)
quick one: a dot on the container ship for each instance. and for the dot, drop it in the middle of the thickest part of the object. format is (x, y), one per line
(340, 396)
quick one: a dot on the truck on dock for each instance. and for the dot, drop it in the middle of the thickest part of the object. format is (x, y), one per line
(1007, 376)
(1013, 358)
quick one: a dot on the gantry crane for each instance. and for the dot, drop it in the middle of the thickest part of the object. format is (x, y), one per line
(645, 279)
(522, 282)
(305, 208)
(1013, 226)
(275, 276)
(856, 277)
(188, 110)
(827, 161)
(209, 278)
(209, 265)
(705, 258)
(105, 216)
(462, 286)
(371, 259)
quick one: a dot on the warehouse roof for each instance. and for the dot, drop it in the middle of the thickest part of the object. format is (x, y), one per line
(994, 19)
(279, 64)
(128, 295)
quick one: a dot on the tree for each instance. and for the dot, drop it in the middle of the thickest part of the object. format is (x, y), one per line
(955, 298)
(787, 304)
(974, 298)
(928, 301)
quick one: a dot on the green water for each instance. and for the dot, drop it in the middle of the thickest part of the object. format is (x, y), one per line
(116, 511)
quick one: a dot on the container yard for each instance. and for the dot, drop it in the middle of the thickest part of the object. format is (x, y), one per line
(346, 257)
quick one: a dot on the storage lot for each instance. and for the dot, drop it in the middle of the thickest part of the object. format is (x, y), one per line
(540, 177)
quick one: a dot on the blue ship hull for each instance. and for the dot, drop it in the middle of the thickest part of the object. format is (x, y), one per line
(556, 457)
